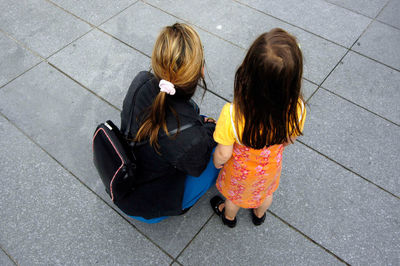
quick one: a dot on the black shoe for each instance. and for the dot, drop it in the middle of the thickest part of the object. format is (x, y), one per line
(255, 219)
(215, 202)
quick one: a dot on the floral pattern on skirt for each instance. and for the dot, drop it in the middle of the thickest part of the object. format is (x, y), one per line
(250, 175)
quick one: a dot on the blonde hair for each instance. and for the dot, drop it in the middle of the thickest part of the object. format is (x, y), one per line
(178, 58)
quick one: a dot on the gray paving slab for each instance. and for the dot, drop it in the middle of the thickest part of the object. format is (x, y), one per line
(355, 138)
(369, 8)
(367, 83)
(210, 104)
(58, 114)
(102, 64)
(94, 11)
(174, 233)
(43, 27)
(140, 25)
(49, 217)
(241, 25)
(350, 217)
(5, 260)
(322, 18)
(308, 89)
(273, 243)
(390, 14)
(381, 42)
(14, 59)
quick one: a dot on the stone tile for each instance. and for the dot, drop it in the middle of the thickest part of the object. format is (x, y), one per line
(241, 25)
(222, 61)
(40, 25)
(174, 233)
(274, 242)
(380, 42)
(211, 105)
(324, 19)
(369, 8)
(14, 59)
(390, 14)
(94, 11)
(355, 138)
(367, 83)
(102, 64)
(49, 217)
(140, 25)
(308, 89)
(58, 114)
(5, 260)
(347, 215)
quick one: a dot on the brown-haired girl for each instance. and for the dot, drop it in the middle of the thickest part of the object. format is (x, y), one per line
(267, 114)
(174, 169)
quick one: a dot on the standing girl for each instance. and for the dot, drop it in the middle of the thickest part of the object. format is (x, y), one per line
(174, 166)
(267, 114)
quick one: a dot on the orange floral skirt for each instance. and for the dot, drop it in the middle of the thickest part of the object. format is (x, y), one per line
(250, 175)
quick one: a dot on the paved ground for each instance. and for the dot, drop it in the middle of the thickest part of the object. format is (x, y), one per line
(65, 66)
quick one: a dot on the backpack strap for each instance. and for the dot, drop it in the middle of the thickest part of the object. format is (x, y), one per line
(233, 125)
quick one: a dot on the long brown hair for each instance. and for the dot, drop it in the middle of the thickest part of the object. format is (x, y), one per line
(267, 90)
(178, 58)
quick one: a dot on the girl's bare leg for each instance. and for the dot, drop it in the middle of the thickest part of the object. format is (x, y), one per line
(259, 212)
(230, 209)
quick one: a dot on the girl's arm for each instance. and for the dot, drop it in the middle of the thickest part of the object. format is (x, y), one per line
(290, 140)
(222, 154)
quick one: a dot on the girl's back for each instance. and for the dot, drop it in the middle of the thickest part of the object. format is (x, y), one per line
(266, 115)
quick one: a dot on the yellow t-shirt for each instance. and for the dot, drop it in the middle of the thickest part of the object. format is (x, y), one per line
(224, 132)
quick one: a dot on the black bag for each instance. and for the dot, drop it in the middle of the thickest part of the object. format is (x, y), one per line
(114, 160)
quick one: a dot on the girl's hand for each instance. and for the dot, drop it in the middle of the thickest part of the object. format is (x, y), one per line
(217, 165)
(209, 120)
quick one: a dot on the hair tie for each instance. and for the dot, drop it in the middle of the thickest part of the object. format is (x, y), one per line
(167, 87)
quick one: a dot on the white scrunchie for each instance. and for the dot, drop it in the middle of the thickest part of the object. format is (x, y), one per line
(167, 87)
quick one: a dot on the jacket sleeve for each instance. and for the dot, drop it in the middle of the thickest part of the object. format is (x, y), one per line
(197, 153)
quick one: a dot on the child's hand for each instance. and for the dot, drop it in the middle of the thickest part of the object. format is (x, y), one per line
(209, 120)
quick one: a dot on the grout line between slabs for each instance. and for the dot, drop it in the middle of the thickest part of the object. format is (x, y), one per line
(8, 255)
(83, 86)
(348, 169)
(22, 44)
(86, 186)
(190, 242)
(362, 107)
(8, 82)
(341, 59)
(309, 238)
(376, 61)
(349, 9)
(289, 23)
(380, 11)
(197, 26)
(45, 59)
